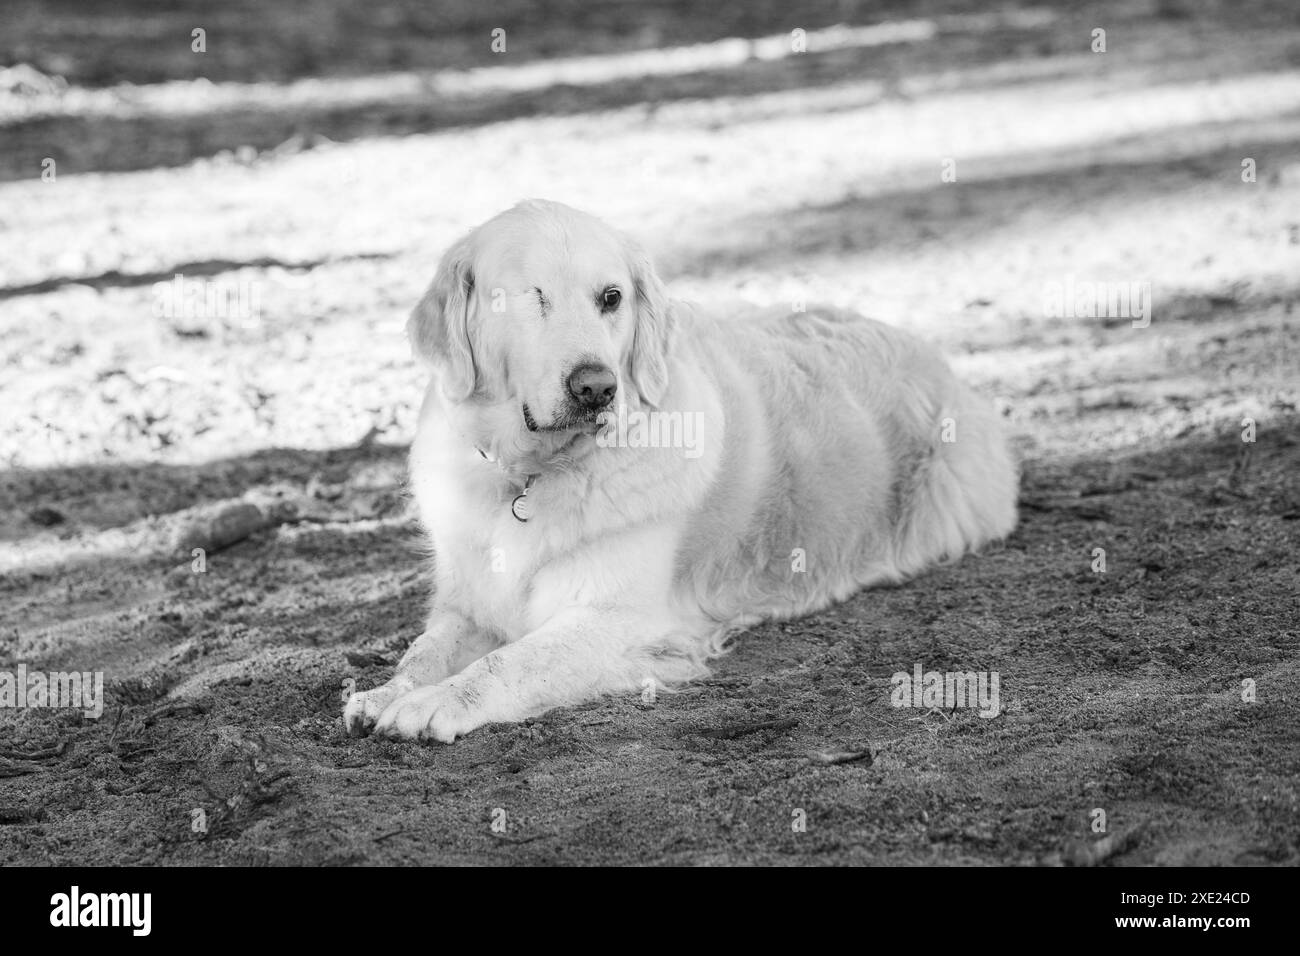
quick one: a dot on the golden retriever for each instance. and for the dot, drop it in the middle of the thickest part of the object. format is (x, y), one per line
(614, 482)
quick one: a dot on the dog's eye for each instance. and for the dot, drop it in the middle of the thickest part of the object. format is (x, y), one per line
(609, 299)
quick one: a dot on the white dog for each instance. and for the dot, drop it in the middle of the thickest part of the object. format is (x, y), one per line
(614, 482)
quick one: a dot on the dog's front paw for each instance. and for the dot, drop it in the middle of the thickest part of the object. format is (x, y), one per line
(363, 708)
(439, 712)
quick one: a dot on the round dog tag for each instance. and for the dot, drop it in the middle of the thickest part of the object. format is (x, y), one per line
(520, 507)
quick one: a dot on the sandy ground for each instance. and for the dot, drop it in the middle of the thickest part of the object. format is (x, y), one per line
(810, 177)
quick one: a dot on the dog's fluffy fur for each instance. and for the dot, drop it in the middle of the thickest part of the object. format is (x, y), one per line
(832, 453)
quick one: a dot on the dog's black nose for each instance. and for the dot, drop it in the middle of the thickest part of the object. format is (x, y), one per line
(592, 386)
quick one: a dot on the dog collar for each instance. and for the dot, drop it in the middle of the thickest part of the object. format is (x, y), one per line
(519, 506)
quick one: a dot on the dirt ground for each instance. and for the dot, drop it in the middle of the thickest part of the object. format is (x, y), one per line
(815, 176)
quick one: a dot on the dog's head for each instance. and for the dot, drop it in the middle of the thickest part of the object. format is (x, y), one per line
(541, 319)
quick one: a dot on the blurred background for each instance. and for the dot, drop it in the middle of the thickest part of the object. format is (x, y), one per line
(303, 163)
(215, 217)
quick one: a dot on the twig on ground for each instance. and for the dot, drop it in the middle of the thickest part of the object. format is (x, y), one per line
(48, 753)
(502, 838)
(1098, 852)
(733, 731)
(832, 757)
(19, 769)
(175, 709)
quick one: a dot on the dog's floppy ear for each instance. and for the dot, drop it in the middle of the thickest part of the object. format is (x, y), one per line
(652, 333)
(439, 326)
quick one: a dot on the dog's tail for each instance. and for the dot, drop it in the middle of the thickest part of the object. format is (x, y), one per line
(962, 493)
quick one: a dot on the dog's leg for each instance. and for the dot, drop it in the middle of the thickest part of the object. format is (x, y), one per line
(577, 655)
(449, 643)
